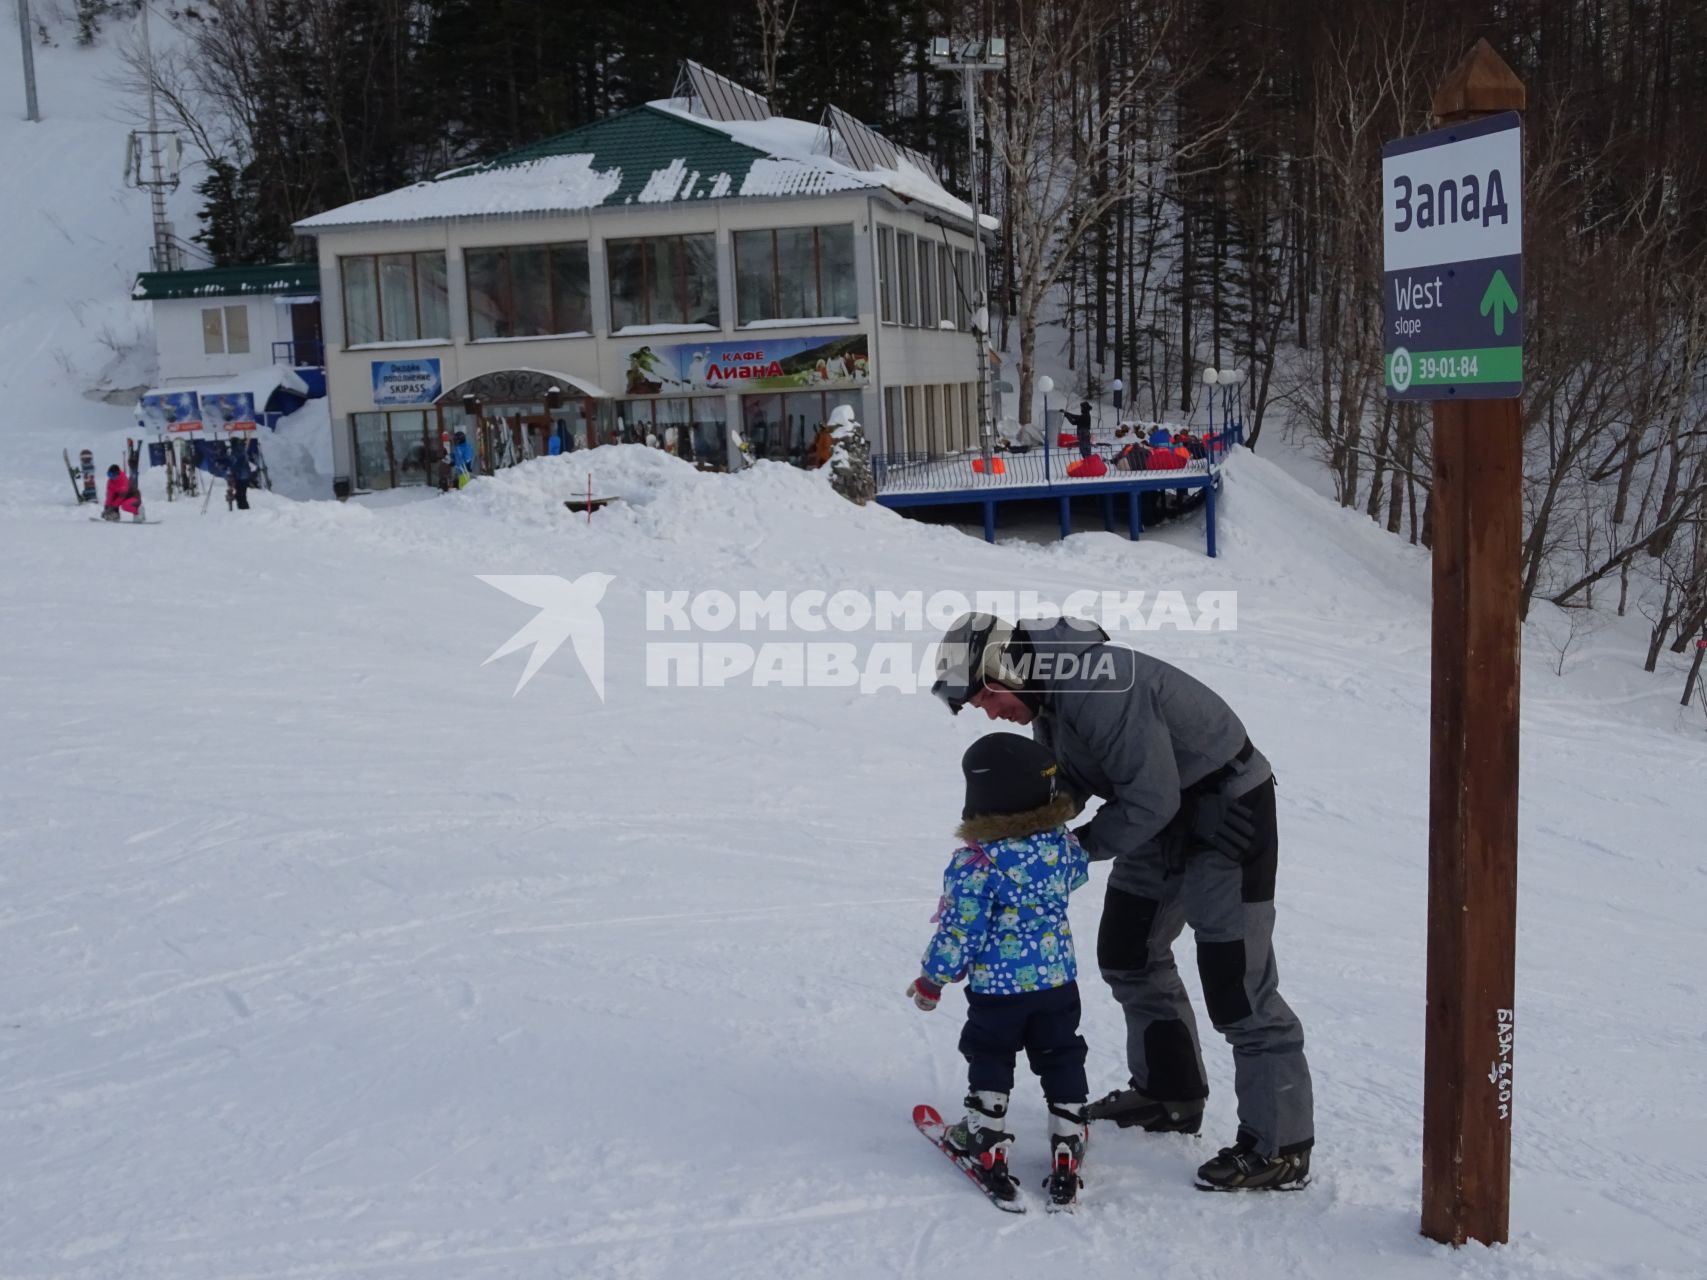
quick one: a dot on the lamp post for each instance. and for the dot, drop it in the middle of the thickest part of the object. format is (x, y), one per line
(1211, 377)
(970, 57)
(1045, 385)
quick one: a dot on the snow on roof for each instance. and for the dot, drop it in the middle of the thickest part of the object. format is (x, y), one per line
(548, 185)
(658, 154)
(798, 167)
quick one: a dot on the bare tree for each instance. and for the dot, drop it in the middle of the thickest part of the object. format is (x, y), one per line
(775, 19)
(1053, 137)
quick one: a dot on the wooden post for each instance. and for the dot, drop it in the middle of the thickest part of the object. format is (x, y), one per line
(1473, 773)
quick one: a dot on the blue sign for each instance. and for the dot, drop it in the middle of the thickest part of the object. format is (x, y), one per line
(406, 382)
(1452, 234)
(228, 410)
(171, 411)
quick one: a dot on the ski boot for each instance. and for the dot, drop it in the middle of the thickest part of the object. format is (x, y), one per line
(1128, 1107)
(981, 1139)
(1067, 1134)
(109, 513)
(1240, 1168)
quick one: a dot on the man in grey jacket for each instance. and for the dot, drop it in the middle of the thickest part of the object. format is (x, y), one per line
(1188, 823)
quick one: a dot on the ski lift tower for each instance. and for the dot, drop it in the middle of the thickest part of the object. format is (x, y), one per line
(970, 57)
(165, 160)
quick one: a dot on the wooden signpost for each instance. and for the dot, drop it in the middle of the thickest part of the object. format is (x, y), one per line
(1465, 318)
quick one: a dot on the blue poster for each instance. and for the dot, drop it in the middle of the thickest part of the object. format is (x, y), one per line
(170, 411)
(228, 410)
(406, 382)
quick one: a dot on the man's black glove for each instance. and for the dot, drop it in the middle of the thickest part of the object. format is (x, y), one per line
(1217, 821)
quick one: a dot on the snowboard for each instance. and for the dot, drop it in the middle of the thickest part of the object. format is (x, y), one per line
(1005, 1194)
(86, 460)
(104, 520)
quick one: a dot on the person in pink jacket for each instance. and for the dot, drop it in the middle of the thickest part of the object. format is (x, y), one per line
(120, 495)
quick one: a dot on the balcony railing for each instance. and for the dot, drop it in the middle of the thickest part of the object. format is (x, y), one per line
(1037, 467)
(309, 354)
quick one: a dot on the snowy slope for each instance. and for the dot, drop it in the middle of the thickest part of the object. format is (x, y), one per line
(323, 954)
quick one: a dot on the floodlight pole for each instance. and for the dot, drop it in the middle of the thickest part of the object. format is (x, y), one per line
(969, 57)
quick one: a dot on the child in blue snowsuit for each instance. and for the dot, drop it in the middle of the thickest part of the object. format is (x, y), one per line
(1002, 925)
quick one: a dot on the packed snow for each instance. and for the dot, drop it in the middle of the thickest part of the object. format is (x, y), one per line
(324, 952)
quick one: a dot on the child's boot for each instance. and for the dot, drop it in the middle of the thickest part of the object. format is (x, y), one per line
(982, 1137)
(1067, 1134)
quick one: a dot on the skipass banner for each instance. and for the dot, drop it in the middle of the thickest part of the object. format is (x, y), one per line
(750, 364)
(228, 411)
(170, 411)
(406, 382)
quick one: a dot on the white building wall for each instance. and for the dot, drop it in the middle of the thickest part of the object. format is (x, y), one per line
(908, 356)
(180, 348)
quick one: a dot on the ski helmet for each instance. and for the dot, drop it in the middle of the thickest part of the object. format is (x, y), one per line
(978, 649)
(1006, 774)
(113, 470)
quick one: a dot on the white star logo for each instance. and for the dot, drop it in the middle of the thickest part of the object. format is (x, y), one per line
(567, 611)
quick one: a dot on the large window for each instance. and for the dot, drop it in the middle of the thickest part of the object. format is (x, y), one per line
(785, 426)
(225, 330)
(397, 448)
(795, 273)
(666, 280)
(886, 274)
(907, 279)
(927, 284)
(968, 288)
(894, 422)
(520, 291)
(946, 289)
(395, 297)
(694, 428)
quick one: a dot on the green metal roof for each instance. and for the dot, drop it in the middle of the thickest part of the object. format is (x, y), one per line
(640, 142)
(651, 155)
(228, 282)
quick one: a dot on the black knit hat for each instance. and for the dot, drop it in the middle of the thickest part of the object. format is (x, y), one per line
(1005, 774)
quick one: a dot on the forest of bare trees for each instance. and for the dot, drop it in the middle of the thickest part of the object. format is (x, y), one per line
(1181, 183)
(1212, 195)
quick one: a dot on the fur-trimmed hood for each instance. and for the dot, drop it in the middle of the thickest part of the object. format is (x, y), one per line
(990, 828)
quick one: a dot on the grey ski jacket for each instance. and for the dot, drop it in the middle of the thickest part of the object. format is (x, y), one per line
(1132, 730)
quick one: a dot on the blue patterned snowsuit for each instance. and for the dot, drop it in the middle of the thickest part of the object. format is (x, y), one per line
(1002, 924)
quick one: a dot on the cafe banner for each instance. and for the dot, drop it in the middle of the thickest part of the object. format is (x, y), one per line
(228, 410)
(405, 382)
(170, 411)
(750, 364)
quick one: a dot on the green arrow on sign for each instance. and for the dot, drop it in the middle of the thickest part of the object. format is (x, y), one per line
(1499, 299)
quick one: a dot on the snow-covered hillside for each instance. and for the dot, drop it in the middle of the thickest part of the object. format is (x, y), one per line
(73, 237)
(325, 953)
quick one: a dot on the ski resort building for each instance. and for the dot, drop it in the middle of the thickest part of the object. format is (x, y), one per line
(694, 273)
(227, 322)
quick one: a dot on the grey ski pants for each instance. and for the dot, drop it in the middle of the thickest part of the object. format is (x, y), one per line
(1230, 908)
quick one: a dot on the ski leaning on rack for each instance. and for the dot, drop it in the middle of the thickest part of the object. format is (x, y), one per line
(998, 1186)
(76, 477)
